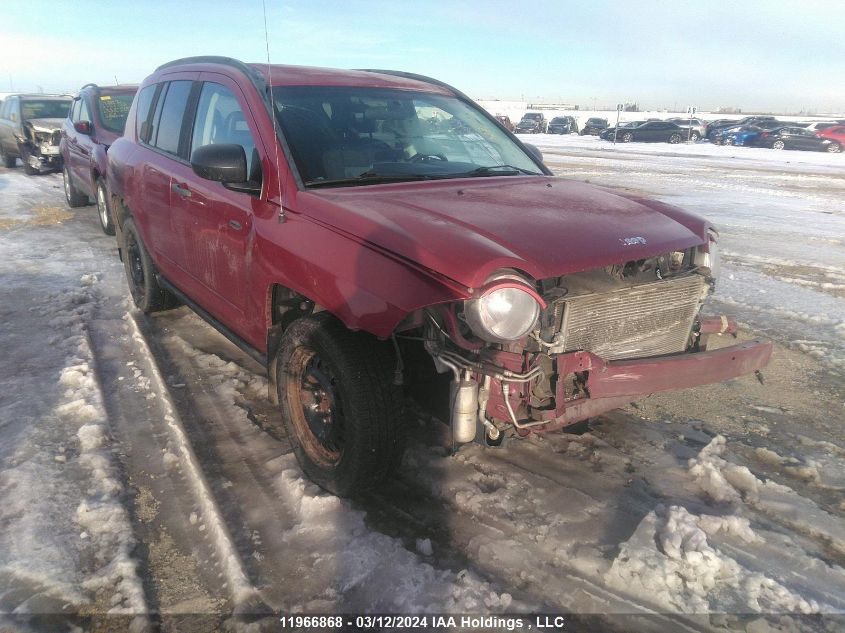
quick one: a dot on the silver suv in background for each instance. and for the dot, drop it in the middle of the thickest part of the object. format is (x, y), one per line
(30, 129)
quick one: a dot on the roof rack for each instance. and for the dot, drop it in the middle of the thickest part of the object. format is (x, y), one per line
(254, 76)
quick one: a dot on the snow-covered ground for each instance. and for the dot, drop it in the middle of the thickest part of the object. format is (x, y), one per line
(143, 473)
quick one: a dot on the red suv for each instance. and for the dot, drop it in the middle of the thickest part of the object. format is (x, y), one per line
(94, 121)
(356, 231)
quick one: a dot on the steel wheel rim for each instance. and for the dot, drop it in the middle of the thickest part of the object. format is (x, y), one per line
(315, 407)
(101, 205)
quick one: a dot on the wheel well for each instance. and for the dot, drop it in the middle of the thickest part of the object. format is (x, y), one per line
(285, 306)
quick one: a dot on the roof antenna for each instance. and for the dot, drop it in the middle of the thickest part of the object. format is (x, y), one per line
(269, 87)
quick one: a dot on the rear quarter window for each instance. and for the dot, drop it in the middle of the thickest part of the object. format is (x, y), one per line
(143, 114)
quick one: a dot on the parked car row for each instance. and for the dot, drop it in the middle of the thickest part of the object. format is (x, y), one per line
(760, 131)
(295, 210)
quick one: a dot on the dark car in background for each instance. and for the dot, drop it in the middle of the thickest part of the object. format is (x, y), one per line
(594, 126)
(653, 132)
(540, 118)
(527, 126)
(790, 137)
(608, 134)
(563, 125)
(29, 130)
(96, 119)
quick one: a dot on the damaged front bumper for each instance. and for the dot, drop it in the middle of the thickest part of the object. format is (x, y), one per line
(546, 392)
(612, 384)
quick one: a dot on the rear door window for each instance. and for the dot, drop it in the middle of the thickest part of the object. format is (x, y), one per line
(172, 114)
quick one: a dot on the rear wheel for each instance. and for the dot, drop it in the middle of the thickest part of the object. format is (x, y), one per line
(675, 139)
(778, 145)
(103, 211)
(339, 406)
(72, 195)
(834, 148)
(147, 293)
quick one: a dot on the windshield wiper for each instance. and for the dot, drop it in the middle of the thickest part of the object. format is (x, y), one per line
(368, 178)
(500, 170)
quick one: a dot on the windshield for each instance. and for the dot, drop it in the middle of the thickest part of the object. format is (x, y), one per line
(596, 121)
(44, 109)
(557, 120)
(352, 135)
(113, 110)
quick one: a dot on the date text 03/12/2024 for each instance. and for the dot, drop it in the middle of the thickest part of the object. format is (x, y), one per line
(423, 622)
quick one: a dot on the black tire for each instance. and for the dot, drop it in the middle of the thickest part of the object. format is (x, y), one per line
(72, 195)
(103, 211)
(147, 293)
(674, 139)
(341, 383)
(8, 161)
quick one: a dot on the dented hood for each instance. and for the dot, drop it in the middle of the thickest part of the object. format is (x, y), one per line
(467, 229)
(45, 125)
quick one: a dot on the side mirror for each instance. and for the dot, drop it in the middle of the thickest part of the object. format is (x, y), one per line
(83, 127)
(536, 153)
(222, 162)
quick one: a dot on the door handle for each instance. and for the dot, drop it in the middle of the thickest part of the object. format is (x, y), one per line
(180, 190)
(235, 225)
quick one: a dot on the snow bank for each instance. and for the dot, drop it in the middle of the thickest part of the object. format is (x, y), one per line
(726, 482)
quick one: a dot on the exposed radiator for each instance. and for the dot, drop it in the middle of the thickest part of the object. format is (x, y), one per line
(646, 320)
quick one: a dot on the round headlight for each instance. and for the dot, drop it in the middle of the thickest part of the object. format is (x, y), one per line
(503, 313)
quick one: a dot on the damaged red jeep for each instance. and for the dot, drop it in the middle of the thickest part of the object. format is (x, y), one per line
(357, 231)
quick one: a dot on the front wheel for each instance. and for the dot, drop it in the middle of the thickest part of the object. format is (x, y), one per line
(339, 406)
(103, 208)
(675, 139)
(8, 161)
(778, 145)
(627, 137)
(147, 293)
(72, 195)
(694, 137)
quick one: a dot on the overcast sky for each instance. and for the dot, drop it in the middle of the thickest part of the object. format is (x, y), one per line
(763, 54)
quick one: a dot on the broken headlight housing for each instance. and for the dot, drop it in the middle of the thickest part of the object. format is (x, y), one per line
(505, 310)
(708, 256)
